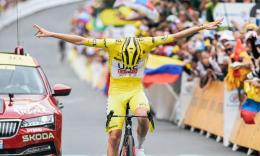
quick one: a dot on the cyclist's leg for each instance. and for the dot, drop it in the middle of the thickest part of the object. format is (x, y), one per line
(117, 104)
(143, 126)
(114, 137)
(139, 106)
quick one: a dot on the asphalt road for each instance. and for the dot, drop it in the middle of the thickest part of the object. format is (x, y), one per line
(84, 112)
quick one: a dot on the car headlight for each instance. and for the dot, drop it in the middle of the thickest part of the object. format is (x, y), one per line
(45, 121)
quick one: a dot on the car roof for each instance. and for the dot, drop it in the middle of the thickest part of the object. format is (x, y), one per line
(17, 60)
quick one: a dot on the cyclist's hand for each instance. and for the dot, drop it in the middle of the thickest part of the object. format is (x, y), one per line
(213, 25)
(41, 32)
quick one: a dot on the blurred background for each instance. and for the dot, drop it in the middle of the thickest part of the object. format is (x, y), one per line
(199, 110)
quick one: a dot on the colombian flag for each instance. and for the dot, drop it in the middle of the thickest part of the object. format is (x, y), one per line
(162, 70)
(249, 109)
(251, 106)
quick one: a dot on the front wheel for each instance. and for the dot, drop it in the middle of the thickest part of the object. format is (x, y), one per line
(129, 147)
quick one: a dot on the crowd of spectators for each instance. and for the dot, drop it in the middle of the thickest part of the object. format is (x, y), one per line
(5, 4)
(230, 55)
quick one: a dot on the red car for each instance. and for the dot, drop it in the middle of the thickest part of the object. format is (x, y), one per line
(30, 115)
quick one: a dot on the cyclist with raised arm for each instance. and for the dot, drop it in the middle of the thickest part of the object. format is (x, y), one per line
(127, 60)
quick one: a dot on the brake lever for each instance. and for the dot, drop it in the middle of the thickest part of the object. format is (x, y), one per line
(150, 118)
(109, 116)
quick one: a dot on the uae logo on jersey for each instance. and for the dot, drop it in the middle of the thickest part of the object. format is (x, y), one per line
(122, 69)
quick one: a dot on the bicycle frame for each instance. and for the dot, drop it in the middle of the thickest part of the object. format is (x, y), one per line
(128, 124)
(128, 129)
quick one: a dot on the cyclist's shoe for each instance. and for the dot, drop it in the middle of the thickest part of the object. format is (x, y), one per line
(140, 152)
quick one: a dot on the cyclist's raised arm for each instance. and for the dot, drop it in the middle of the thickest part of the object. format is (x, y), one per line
(99, 43)
(74, 39)
(192, 30)
(159, 40)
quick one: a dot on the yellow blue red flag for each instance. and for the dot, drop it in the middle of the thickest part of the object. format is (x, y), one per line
(162, 70)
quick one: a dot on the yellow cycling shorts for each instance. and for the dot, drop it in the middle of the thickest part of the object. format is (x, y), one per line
(117, 101)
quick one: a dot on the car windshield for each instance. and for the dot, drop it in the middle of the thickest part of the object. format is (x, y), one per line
(20, 80)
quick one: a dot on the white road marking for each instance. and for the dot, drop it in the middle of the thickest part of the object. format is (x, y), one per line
(105, 155)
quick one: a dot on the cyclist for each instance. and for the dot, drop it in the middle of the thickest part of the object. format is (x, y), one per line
(127, 59)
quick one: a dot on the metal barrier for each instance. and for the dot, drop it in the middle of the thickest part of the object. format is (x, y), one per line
(206, 113)
(206, 109)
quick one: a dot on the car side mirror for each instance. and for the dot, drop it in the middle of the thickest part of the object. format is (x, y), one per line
(61, 90)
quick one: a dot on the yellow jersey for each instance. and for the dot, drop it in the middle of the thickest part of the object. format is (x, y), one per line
(121, 76)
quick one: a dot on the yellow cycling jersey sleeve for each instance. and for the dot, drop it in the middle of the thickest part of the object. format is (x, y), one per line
(158, 40)
(145, 42)
(99, 43)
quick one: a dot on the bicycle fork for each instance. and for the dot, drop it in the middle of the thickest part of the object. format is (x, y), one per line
(127, 135)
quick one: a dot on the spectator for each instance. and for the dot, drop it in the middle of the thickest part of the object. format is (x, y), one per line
(62, 49)
(209, 55)
(6, 4)
(208, 69)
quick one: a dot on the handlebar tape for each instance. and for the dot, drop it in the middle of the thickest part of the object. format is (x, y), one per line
(150, 117)
(109, 116)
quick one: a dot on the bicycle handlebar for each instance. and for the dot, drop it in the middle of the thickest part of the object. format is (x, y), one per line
(111, 114)
(150, 118)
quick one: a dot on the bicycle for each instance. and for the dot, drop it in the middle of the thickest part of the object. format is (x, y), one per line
(128, 146)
